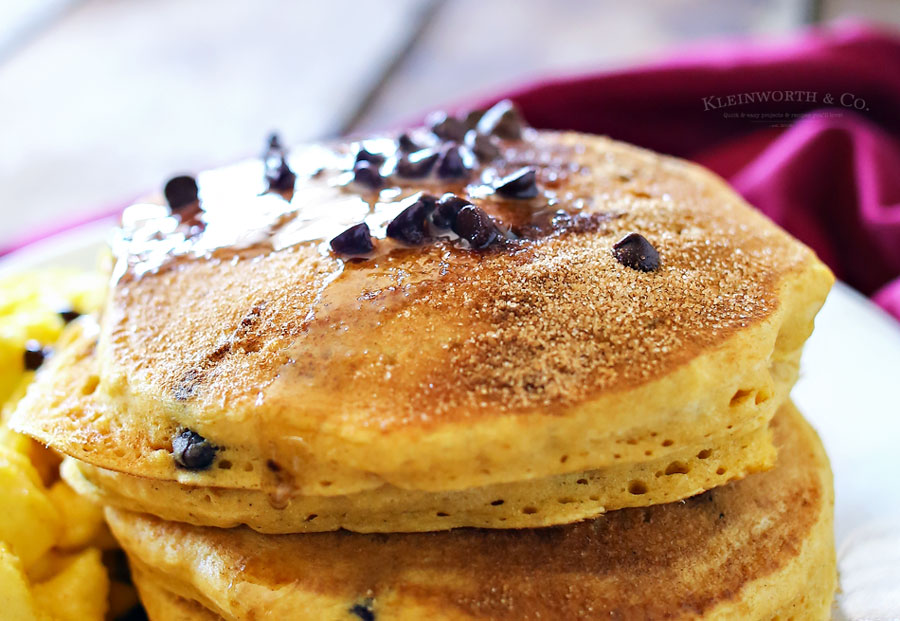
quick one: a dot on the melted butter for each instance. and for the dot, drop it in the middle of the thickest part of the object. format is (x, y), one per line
(236, 213)
(237, 217)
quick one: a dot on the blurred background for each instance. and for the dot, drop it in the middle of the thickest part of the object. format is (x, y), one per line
(101, 100)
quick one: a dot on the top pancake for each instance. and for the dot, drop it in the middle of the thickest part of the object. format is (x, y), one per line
(438, 367)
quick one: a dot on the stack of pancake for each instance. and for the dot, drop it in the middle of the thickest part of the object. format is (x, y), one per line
(474, 371)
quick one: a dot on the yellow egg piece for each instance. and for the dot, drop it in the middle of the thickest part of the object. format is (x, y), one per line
(16, 601)
(82, 520)
(77, 593)
(29, 523)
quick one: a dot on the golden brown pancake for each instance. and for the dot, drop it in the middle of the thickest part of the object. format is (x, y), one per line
(760, 548)
(163, 605)
(559, 499)
(438, 368)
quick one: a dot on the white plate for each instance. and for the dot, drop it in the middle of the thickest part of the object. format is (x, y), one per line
(848, 389)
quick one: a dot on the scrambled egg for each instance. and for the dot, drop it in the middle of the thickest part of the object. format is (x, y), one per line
(52, 541)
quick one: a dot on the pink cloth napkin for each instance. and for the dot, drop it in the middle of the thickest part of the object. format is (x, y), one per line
(808, 131)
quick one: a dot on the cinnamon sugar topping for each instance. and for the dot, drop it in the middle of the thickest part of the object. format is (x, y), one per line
(544, 317)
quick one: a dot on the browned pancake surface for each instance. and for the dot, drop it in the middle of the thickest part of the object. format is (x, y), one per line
(421, 336)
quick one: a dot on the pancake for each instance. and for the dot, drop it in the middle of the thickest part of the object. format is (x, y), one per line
(560, 499)
(163, 605)
(437, 368)
(760, 548)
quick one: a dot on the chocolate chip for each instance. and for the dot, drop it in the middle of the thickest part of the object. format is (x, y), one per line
(484, 147)
(364, 155)
(472, 118)
(444, 216)
(274, 142)
(279, 176)
(636, 252)
(447, 127)
(417, 165)
(366, 174)
(503, 120)
(406, 144)
(363, 611)
(68, 314)
(521, 184)
(34, 355)
(452, 165)
(475, 226)
(192, 451)
(356, 240)
(181, 191)
(410, 225)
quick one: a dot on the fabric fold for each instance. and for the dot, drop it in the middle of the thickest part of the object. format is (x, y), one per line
(807, 130)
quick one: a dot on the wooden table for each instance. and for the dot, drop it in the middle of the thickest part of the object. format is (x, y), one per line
(101, 100)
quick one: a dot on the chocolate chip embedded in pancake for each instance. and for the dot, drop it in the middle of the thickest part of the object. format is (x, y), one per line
(761, 548)
(559, 499)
